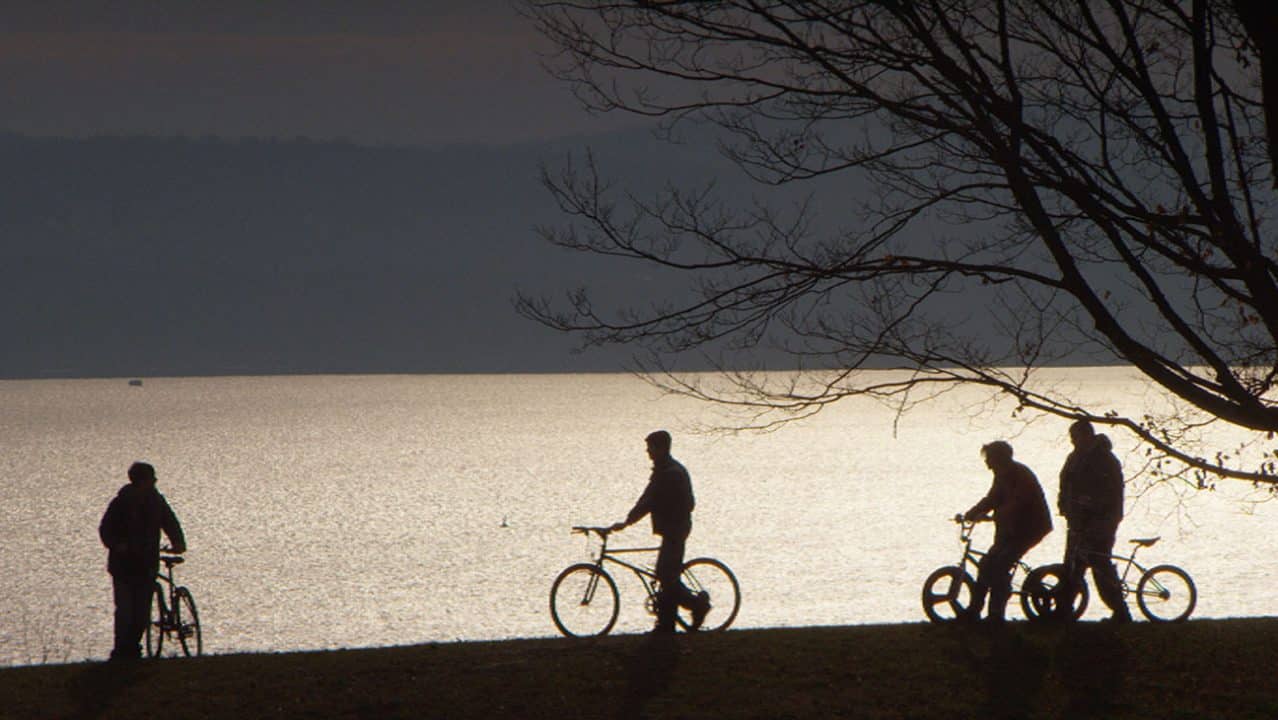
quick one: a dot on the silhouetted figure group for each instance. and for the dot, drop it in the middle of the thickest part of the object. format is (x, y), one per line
(1090, 499)
(135, 518)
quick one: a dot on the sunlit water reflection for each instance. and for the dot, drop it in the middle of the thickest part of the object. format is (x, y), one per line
(327, 512)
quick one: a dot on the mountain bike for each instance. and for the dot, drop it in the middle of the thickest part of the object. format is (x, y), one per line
(947, 592)
(1164, 593)
(173, 615)
(584, 600)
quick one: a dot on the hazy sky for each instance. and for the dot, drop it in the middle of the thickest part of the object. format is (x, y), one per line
(378, 72)
(230, 234)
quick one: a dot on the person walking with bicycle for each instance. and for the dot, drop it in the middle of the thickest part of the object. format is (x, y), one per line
(1091, 500)
(130, 529)
(668, 499)
(1021, 520)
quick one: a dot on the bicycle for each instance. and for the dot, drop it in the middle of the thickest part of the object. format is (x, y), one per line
(947, 592)
(173, 615)
(1164, 593)
(584, 600)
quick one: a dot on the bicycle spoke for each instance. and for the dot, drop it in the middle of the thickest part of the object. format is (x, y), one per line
(947, 593)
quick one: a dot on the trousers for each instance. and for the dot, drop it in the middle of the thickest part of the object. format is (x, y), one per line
(132, 596)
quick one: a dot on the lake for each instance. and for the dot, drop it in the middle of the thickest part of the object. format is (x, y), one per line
(351, 511)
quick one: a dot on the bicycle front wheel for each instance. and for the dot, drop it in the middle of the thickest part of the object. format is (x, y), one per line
(155, 626)
(947, 594)
(1165, 593)
(1042, 595)
(584, 601)
(186, 623)
(720, 585)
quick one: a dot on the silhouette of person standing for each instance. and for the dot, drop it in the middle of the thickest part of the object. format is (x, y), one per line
(130, 529)
(668, 499)
(1021, 520)
(1091, 499)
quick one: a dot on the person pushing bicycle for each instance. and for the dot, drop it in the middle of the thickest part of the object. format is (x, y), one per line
(1091, 499)
(130, 529)
(668, 499)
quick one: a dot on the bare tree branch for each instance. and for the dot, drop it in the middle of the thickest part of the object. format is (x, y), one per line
(1092, 172)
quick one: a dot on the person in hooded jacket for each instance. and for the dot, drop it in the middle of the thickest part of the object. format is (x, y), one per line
(668, 499)
(1021, 520)
(1091, 500)
(130, 529)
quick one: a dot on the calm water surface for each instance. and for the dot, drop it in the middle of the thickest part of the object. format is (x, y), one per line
(347, 511)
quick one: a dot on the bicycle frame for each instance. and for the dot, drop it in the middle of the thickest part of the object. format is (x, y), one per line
(1129, 562)
(973, 557)
(706, 589)
(166, 576)
(174, 615)
(646, 575)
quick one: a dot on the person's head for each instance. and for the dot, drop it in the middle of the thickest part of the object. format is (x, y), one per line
(141, 473)
(658, 444)
(1081, 433)
(997, 454)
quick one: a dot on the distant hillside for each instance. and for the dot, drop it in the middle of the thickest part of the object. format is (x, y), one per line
(150, 256)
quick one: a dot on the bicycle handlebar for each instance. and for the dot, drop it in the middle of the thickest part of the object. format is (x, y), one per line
(587, 529)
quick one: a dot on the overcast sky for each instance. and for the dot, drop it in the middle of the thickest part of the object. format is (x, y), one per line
(424, 73)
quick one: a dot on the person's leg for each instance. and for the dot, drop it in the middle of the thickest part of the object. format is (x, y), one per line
(669, 568)
(1074, 569)
(996, 568)
(988, 572)
(132, 597)
(1075, 565)
(143, 592)
(123, 618)
(1100, 545)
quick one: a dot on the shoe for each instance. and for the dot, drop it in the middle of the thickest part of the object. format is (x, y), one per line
(1122, 617)
(700, 610)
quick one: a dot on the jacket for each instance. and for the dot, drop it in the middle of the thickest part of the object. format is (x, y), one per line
(1020, 508)
(668, 498)
(130, 529)
(1091, 489)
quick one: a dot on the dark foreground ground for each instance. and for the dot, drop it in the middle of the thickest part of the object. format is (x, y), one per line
(1204, 669)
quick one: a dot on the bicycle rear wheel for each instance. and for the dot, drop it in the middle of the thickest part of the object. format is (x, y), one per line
(186, 623)
(720, 585)
(947, 594)
(155, 627)
(584, 601)
(1042, 595)
(1165, 593)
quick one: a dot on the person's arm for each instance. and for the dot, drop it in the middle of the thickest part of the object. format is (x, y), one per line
(986, 504)
(1112, 472)
(172, 528)
(109, 530)
(1062, 495)
(642, 507)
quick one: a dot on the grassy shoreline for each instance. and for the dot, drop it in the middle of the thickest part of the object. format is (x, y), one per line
(1201, 669)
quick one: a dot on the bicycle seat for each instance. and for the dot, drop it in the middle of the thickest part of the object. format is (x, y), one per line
(171, 560)
(1145, 542)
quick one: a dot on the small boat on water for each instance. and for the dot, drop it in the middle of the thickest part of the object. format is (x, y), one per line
(135, 383)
